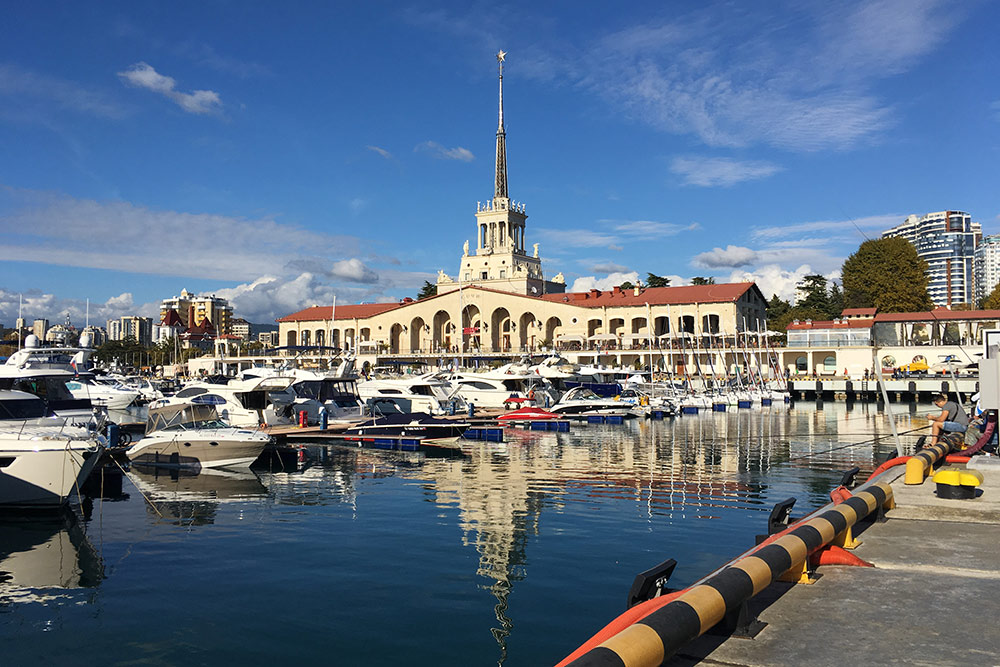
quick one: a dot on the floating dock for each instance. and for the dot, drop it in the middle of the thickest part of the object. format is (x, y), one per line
(902, 390)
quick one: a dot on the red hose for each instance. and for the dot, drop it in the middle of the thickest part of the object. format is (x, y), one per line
(957, 458)
(891, 463)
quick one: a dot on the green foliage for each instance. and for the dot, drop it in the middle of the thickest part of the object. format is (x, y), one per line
(626, 285)
(835, 300)
(127, 348)
(992, 302)
(776, 308)
(653, 280)
(429, 289)
(887, 274)
(700, 280)
(796, 313)
(811, 295)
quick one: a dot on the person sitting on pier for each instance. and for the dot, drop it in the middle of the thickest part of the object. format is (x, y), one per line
(952, 419)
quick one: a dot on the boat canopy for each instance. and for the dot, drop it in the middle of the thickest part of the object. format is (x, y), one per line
(181, 417)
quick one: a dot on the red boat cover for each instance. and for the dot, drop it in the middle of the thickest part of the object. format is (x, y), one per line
(528, 414)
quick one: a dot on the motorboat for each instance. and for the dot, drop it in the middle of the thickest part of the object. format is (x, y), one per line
(496, 388)
(42, 459)
(423, 393)
(336, 393)
(583, 401)
(641, 399)
(241, 403)
(111, 396)
(408, 425)
(44, 372)
(528, 415)
(43, 558)
(193, 435)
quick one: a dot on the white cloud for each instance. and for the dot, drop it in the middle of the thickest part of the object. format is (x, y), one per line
(849, 227)
(33, 91)
(143, 75)
(381, 151)
(37, 304)
(354, 270)
(606, 267)
(54, 229)
(578, 238)
(773, 279)
(709, 172)
(357, 205)
(620, 231)
(730, 256)
(439, 152)
(649, 229)
(585, 283)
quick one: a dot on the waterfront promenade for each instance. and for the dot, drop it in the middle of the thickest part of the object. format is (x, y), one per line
(933, 597)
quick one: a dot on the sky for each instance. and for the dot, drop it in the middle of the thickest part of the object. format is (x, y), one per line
(286, 155)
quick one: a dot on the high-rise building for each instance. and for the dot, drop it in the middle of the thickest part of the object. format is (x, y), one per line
(114, 329)
(139, 328)
(193, 310)
(39, 327)
(240, 327)
(987, 266)
(947, 242)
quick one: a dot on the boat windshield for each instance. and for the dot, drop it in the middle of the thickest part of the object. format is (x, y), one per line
(22, 408)
(183, 418)
(584, 394)
(342, 392)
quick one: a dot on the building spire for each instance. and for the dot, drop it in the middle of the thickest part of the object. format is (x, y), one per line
(500, 188)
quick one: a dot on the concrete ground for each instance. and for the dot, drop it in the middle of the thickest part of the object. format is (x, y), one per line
(933, 597)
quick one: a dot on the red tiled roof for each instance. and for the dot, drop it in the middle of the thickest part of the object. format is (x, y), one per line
(939, 314)
(858, 312)
(830, 324)
(656, 296)
(350, 312)
(171, 319)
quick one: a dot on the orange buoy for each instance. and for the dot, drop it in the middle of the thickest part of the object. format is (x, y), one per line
(834, 555)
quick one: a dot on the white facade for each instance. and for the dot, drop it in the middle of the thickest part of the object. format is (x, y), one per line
(987, 266)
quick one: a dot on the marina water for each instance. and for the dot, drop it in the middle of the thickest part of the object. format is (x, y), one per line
(514, 554)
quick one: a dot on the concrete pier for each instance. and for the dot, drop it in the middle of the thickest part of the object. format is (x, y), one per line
(932, 598)
(905, 389)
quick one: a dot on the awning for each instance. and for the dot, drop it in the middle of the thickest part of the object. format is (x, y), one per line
(603, 337)
(571, 338)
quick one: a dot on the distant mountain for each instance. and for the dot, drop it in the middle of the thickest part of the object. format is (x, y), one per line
(258, 328)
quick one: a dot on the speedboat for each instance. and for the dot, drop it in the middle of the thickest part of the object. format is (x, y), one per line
(243, 403)
(42, 459)
(583, 401)
(408, 425)
(193, 435)
(495, 388)
(336, 393)
(112, 396)
(639, 398)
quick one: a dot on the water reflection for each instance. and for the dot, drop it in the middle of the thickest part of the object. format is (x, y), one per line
(43, 558)
(192, 497)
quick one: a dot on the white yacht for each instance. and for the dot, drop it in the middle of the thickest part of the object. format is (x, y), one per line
(42, 459)
(494, 389)
(336, 391)
(192, 435)
(242, 403)
(44, 372)
(583, 401)
(423, 393)
(111, 396)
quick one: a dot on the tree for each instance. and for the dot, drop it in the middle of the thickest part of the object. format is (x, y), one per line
(811, 295)
(429, 289)
(699, 280)
(835, 300)
(992, 302)
(653, 280)
(887, 274)
(776, 308)
(626, 285)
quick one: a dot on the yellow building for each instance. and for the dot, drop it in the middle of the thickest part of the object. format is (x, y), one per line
(193, 310)
(501, 305)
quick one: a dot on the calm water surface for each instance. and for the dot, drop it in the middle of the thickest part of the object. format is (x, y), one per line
(512, 555)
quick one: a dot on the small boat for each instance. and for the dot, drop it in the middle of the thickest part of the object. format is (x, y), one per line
(193, 435)
(408, 425)
(42, 459)
(528, 414)
(583, 401)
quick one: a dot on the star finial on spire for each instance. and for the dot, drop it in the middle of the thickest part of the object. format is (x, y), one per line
(500, 55)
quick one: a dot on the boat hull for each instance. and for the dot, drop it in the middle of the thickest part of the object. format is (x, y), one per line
(209, 450)
(46, 476)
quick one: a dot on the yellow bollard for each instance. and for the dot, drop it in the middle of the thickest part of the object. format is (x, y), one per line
(916, 469)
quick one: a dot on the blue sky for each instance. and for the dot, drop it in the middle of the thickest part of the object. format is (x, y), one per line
(281, 155)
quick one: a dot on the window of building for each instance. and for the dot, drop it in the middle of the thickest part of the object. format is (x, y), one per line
(484, 275)
(503, 274)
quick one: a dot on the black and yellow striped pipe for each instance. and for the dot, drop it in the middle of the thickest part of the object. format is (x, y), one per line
(921, 462)
(656, 637)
